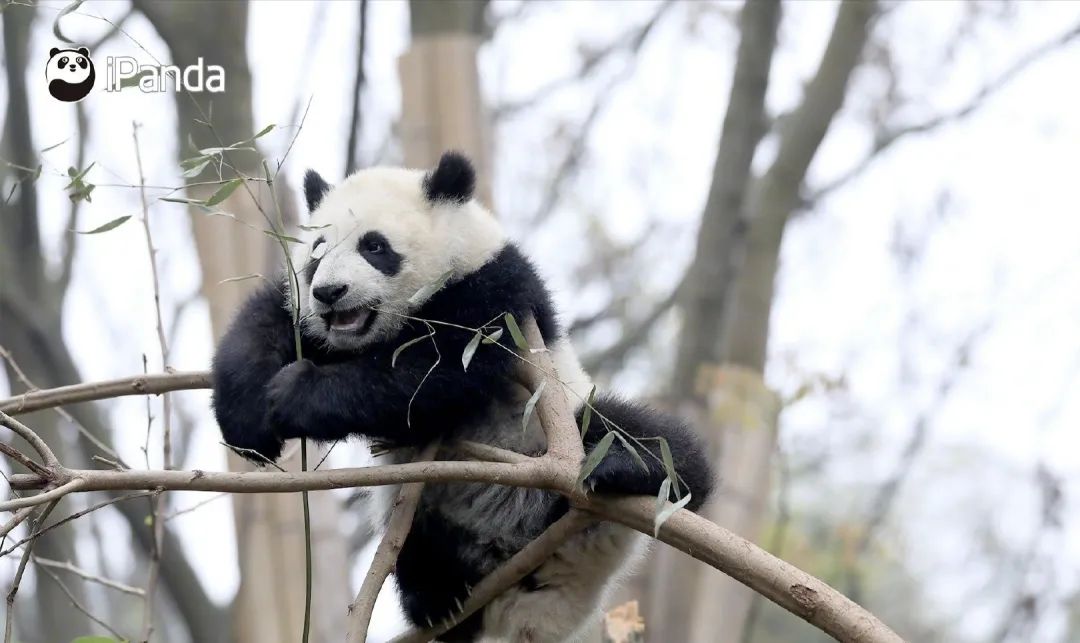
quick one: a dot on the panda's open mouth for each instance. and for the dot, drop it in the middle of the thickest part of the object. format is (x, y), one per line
(356, 320)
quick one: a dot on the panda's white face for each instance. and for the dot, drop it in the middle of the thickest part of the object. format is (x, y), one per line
(68, 65)
(373, 243)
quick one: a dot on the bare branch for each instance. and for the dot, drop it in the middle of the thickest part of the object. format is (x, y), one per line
(24, 432)
(509, 573)
(387, 553)
(9, 623)
(76, 516)
(554, 410)
(79, 606)
(885, 139)
(85, 575)
(137, 385)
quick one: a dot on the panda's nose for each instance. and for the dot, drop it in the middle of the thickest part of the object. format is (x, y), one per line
(71, 67)
(329, 294)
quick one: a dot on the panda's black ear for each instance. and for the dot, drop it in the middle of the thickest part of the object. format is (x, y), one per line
(53, 52)
(452, 180)
(84, 51)
(315, 188)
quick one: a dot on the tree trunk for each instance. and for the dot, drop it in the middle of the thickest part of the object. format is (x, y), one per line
(269, 607)
(719, 373)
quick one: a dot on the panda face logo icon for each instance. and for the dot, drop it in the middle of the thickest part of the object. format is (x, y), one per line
(70, 73)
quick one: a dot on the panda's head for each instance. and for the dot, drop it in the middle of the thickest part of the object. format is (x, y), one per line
(377, 243)
(70, 73)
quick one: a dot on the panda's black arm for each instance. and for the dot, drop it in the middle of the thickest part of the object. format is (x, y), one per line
(619, 472)
(407, 403)
(257, 344)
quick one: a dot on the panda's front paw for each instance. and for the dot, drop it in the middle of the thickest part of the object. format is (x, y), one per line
(287, 401)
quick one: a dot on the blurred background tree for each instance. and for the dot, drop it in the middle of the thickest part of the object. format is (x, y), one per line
(817, 230)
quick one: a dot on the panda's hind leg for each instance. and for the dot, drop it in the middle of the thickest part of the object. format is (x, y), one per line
(621, 473)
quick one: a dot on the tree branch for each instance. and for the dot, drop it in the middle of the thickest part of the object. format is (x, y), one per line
(386, 555)
(108, 389)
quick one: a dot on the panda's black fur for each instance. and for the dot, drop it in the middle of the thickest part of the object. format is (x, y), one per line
(462, 531)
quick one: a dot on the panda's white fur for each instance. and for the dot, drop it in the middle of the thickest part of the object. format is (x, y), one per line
(446, 238)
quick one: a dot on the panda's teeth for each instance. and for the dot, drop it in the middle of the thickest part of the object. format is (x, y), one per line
(348, 319)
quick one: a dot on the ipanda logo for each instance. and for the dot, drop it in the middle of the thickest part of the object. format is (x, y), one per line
(70, 74)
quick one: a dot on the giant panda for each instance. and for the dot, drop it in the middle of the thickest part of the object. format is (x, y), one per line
(374, 247)
(70, 73)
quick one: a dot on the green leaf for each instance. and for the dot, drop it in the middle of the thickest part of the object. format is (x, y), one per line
(586, 416)
(53, 147)
(633, 452)
(531, 404)
(427, 291)
(263, 132)
(196, 170)
(470, 350)
(193, 161)
(312, 228)
(494, 337)
(224, 191)
(667, 512)
(397, 351)
(515, 332)
(115, 223)
(595, 456)
(669, 465)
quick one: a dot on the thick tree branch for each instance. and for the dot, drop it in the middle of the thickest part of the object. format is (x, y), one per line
(108, 389)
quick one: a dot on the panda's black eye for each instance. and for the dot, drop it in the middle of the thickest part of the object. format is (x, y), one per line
(375, 246)
(81, 61)
(62, 62)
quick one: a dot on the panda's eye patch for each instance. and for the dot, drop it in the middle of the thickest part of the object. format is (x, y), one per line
(375, 247)
(318, 242)
(81, 61)
(62, 62)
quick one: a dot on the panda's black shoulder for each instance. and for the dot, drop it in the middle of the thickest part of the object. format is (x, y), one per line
(508, 283)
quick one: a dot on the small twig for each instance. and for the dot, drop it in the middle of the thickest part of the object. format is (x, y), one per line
(506, 575)
(85, 575)
(197, 505)
(386, 555)
(23, 459)
(75, 516)
(16, 520)
(9, 624)
(79, 606)
(158, 501)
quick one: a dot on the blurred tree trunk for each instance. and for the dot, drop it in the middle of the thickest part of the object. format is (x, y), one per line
(719, 373)
(440, 87)
(31, 322)
(23, 282)
(269, 607)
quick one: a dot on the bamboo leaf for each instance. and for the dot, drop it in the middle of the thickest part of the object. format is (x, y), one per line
(263, 132)
(669, 465)
(399, 349)
(662, 496)
(195, 170)
(595, 456)
(515, 332)
(470, 350)
(586, 415)
(243, 278)
(667, 512)
(312, 228)
(633, 452)
(224, 191)
(494, 337)
(531, 404)
(177, 199)
(115, 223)
(427, 291)
(282, 237)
